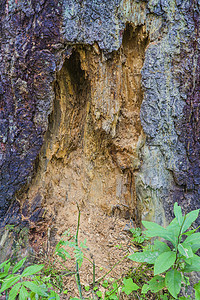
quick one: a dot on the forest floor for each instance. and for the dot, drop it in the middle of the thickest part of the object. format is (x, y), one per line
(108, 242)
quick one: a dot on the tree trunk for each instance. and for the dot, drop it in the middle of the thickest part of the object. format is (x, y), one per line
(99, 106)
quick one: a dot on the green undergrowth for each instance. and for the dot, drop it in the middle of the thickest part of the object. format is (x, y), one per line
(161, 267)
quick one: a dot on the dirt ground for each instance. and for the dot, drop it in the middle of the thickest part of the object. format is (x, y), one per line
(107, 240)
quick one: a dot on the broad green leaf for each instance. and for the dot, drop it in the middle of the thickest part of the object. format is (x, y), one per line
(185, 250)
(161, 246)
(18, 265)
(54, 296)
(173, 282)
(194, 241)
(189, 219)
(145, 289)
(193, 264)
(178, 213)
(157, 283)
(154, 229)
(173, 229)
(6, 269)
(145, 256)
(164, 262)
(197, 291)
(2, 275)
(23, 294)
(4, 263)
(129, 286)
(35, 288)
(164, 297)
(32, 270)
(8, 283)
(34, 296)
(14, 291)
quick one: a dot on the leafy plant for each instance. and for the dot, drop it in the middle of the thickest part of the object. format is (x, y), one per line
(162, 270)
(24, 284)
(138, 236)
(174, 258)
(78, 253)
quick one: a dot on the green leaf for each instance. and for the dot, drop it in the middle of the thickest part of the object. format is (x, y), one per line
(173, 229)
(4, 263)
(14, 291)
(193, 264)
(139, 239)
(87, 288)
(99, 294)
(185, 250)
(8, 283)
(136, 231)
(6, 269)
(164, 262)
(190, 232)
(161, 246)
(189, 219)
(53, 296)
(154, 229)
(186, 280)
(35, 288)
(157, 283)
(129, 286)
(32, 270)
(78, 255)
(194, 241)
(83, 244)
(173, 282)
(178, 213)
(105, 283)
(164, 297)
(145, 256)
(197, 291)
(18, 265)
(145, 288)
(63, 254)
(23, 294)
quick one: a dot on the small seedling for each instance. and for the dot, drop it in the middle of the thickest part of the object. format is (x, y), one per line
(138, 237)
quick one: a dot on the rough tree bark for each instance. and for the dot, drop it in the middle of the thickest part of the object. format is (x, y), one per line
(99, 101)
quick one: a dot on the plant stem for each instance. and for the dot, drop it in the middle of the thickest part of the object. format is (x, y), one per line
(77, 266)
(93, 269)
(178, 241)
(65, 267)
(112, 268)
